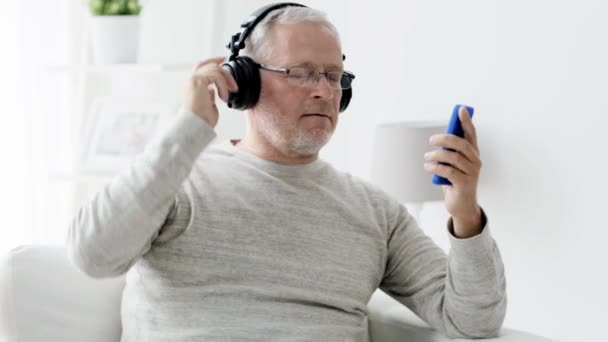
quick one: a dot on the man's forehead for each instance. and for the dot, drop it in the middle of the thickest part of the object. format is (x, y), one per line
(295, 44)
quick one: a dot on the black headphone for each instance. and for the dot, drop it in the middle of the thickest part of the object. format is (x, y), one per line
(246, 71)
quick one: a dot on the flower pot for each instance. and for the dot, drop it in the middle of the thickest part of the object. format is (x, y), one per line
(115, 38)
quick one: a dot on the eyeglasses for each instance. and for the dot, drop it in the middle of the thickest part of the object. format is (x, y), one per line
(308, 77)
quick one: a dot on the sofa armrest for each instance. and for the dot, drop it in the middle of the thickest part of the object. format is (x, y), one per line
(43, 297)
(390, 321)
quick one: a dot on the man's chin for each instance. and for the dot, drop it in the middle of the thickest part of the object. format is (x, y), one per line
(310, 142)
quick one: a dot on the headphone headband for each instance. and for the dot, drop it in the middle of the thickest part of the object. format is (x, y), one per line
(237, 42)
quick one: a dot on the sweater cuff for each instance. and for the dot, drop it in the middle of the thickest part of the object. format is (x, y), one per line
(473, 247)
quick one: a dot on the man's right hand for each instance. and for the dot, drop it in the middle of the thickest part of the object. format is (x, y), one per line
(200, 96)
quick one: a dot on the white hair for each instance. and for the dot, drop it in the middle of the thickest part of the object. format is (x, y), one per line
(257, 45)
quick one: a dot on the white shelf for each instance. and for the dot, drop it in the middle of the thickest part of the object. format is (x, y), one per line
(121, 68)
(81, 178)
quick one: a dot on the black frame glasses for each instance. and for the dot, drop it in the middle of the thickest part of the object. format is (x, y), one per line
(304, 76)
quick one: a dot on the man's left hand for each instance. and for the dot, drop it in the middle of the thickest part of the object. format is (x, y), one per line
(463, 172)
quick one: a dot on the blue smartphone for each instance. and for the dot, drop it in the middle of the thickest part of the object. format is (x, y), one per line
(454, 127)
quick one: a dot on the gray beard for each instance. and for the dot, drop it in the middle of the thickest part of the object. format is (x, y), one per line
(305, 142)
(308, 142)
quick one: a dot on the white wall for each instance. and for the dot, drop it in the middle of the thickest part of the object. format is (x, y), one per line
(534, 71)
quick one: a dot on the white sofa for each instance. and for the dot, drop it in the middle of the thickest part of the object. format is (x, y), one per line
(43, 297)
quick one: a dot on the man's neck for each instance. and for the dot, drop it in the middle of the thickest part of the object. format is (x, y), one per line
(267, 151)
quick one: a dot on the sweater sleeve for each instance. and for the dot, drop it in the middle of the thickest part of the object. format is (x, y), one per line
(119, 224)
(462, 294)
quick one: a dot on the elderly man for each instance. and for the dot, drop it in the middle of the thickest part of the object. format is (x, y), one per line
(259, 239)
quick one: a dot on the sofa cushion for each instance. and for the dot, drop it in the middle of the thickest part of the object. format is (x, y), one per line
(390, 321)
(43, 297)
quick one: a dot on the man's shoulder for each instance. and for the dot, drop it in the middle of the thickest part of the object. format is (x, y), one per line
(216, 151)
(356, 182)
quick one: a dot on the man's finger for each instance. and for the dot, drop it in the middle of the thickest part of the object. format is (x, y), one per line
(220, 82)
(468, 127)
(455, 176)
(214, 60)
(231, 81)
(455, 159)
(212, 74)
(457, 144)
(218, 73)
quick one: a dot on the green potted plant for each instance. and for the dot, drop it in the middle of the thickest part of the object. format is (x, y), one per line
(115, 30)
(114, 7)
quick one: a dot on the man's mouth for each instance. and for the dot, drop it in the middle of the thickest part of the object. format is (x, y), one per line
(319, 115)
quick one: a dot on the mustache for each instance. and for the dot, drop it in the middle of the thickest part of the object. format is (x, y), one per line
(325, 110)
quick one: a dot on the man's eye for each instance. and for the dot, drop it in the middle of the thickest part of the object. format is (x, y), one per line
(298, 75)
(335, 77)
(302, 73)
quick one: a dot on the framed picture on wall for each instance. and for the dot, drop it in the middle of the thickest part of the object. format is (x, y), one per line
(119, 128)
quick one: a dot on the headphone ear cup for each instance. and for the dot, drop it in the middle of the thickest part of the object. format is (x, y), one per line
(347, 94)
(247, 76)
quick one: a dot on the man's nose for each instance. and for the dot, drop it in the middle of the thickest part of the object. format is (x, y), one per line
(322, 88)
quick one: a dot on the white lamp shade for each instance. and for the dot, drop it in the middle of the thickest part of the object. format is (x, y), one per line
(398, 160)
